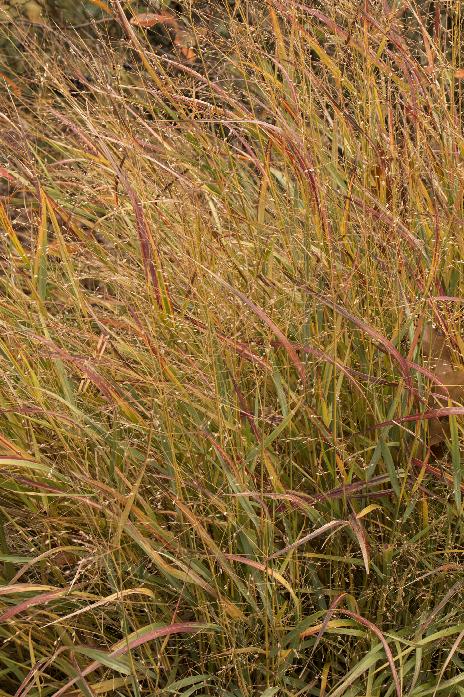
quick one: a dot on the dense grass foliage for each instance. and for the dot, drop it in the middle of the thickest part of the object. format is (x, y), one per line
(215, 413)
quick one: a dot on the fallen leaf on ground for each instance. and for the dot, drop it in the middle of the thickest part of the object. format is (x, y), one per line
(182, 40)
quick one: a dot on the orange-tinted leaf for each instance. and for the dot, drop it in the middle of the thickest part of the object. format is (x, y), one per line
(149, 19)
(10, 83)
(102, 5)
(187, 52)
(6, 175)
(182, 39)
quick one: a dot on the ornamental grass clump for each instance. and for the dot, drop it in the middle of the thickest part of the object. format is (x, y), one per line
(219, 256)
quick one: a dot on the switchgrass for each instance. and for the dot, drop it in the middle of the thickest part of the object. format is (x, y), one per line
(215, 463)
